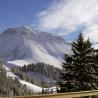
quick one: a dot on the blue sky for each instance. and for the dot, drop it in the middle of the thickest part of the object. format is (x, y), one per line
(20, 12)
(65, 18)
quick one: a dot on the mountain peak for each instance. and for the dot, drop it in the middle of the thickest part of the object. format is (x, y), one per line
(21, 30)
(22, 45)
(24, 27)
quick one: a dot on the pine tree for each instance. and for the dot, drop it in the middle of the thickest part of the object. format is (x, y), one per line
(79, 69)
(96, 55)
(96, 60)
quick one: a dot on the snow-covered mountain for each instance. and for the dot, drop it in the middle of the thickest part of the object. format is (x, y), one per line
(23, 45)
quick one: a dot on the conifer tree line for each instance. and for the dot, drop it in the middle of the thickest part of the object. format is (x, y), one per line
(11, 87)
(80, 70)
(46, 70)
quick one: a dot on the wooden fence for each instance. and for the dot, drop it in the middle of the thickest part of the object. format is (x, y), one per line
(62, 95)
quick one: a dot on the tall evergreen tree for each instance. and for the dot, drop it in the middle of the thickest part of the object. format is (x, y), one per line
(79, 69)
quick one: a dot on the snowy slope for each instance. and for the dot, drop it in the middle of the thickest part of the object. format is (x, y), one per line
(23, 45)
(32, 87)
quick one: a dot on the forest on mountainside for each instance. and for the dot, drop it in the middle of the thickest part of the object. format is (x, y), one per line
(46, 70)
(11, 87)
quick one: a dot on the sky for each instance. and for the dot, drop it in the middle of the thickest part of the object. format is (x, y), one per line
(20, 12)
(65, 18)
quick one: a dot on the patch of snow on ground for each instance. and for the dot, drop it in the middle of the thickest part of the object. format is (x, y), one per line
(32, 87)
(18, 62)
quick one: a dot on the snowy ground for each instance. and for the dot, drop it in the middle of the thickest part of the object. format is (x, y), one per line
(32, 87)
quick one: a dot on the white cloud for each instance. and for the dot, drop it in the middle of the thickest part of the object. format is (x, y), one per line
(92, 33)
(71, 16)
